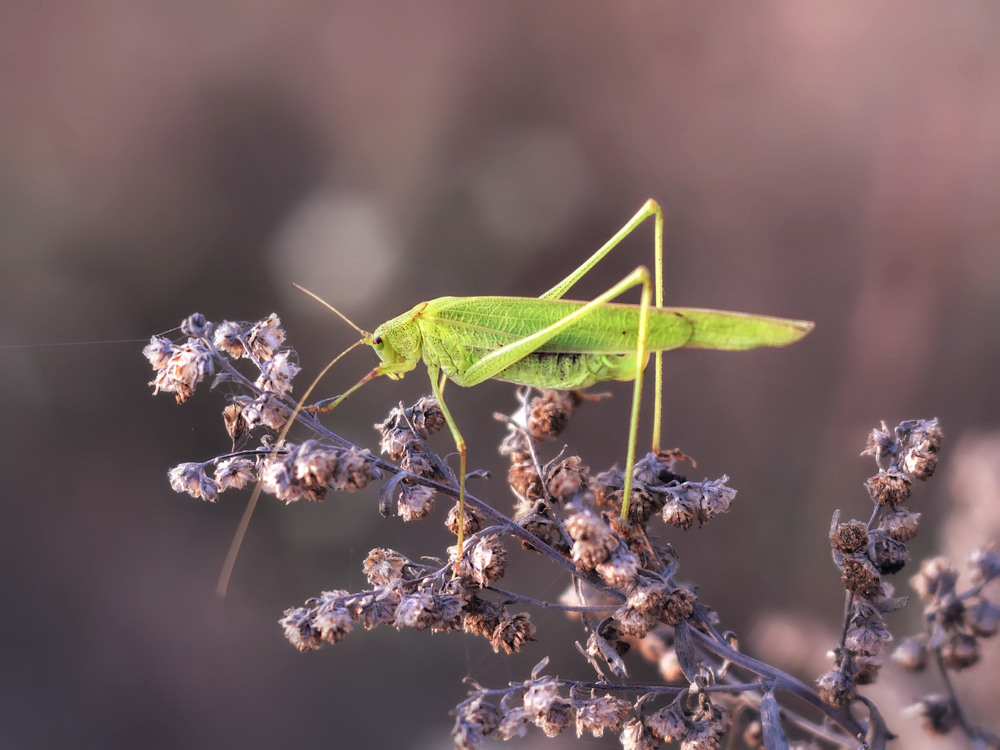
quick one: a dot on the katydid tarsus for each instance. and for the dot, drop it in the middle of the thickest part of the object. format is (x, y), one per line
(551, 342)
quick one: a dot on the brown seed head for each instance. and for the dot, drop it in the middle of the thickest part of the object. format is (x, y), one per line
(911, 654)
(850, 537)
(669, 724)
(890, 489)
(959, 650)
(936, 579)
(512, 633)
(900, 524)
(835, 689)
(474, 720)
(384, 566)
(549, 413)
(593, 541)
(937, 714)
(597, 714)
(860, 577)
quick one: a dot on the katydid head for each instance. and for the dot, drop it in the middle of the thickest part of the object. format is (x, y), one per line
(397, 343)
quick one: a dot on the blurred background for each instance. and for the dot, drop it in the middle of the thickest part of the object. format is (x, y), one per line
(836, 162)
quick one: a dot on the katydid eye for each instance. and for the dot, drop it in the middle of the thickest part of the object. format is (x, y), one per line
(377, 341)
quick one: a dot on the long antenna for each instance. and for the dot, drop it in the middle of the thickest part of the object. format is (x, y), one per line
(234, 547)
(332, 309)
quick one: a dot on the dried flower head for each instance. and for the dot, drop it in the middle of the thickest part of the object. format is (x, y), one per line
(473, 520)
(607, 487)
(403, 426)
(669, 724)
(474, 720)
(936, 579)
(523, 477)
(605, 712)
(888, 555)
(983, 617)
(512, 632)
(860, 577)
(374, 610)
(866, 636)
(236, 428)
(679, 605)
(332, 619)
(937, 714)
(191, 478)
(276, 374)
(900, 524)
(234, 473)
(158, 351)
(323, 619)
(427, 608)
(416, 501)
(836, 689)
(567, 480)
(549, 413)
(959, 650)
(179, 367)
(620, 569)
(593, 540)
(484, 563)
(265, 337)
(680, 510)
(548, 710)
(850, 537)
(685, 501)
(890, 489)
(911, 654)
(643, 608)
(229, 339)
(297, 624)
(513, 723)
(881, 442)
(635, 735)
(985, 563)
(310, 469)
(384, 566)
(481, 617)
(261, 410)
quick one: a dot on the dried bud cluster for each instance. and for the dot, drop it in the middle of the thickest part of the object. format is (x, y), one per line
(956, 620)
(657, 489)
(415, 596)
(402, 438)
(310, 469)
(179, 367)
(866, 553)
(702, 727)
(911, 451)
(544, 706)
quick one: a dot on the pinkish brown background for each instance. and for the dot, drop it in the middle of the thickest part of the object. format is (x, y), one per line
(837, 162)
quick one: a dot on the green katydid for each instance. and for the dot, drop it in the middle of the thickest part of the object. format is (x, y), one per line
(551, 342)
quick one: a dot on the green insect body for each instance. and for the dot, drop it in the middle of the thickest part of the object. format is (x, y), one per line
(454, 333)
(552, 342)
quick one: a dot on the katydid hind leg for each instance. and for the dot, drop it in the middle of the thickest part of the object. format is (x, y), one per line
(495, 362)
(649, 209)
